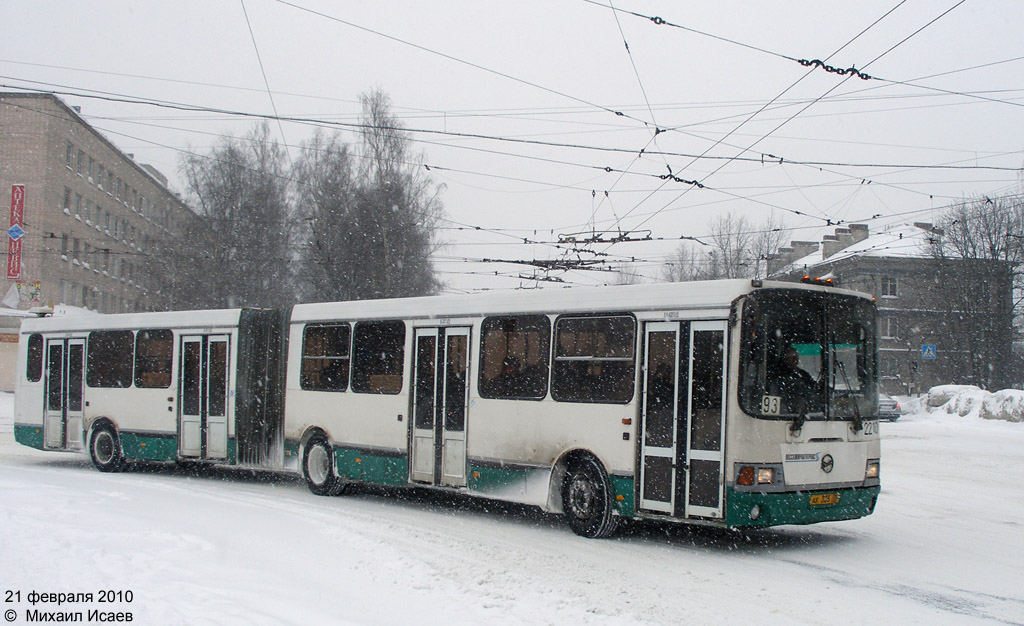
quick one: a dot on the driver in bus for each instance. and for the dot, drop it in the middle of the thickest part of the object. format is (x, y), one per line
(790, 380)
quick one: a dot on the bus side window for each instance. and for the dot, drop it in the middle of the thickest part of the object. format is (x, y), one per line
(514, 357)
(378, 351)
(34, 365)
(153, 353)
(594, 359)
(110, 358)
(325, 357)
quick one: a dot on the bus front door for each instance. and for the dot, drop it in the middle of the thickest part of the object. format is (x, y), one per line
(63, 419)
(203, 397)
(706, 420)
(439, 404)
(683, 411)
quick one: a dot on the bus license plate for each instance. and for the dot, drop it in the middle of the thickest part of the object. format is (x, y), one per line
(824, 499)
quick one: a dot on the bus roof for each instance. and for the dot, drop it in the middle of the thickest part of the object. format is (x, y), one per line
(712, 295)
(221, 318)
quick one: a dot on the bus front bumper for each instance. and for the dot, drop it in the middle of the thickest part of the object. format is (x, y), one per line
(751, 509)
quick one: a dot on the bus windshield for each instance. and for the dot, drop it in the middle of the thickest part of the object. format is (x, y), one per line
(808, 355)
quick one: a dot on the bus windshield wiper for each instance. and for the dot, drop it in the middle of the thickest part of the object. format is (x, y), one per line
(858, 421)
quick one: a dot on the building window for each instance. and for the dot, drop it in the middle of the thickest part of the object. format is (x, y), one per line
(594, 359)
(117, 194)
(64, 247)
(325, 357)
(110, 183)
(889, 327)
(92, 167)
(78, 205)
(74, 249)
(109, 362)
(378, 357)
(81, 162)
(889, 287)
(99, 177)
(514, 357)
(88, 212)
(69, 155)
(153, 352)
(67, 201)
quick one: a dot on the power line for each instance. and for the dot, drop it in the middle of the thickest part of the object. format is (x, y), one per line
(263, 72)
(107, 96)
(457, 60)
(751, 116)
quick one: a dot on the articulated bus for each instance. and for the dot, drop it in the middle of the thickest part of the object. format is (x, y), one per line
(727, 403)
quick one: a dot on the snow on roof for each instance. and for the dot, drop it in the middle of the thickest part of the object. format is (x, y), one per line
(901, 240)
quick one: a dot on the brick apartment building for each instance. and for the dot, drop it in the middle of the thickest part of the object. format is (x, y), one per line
(93, 217)
(939, 322)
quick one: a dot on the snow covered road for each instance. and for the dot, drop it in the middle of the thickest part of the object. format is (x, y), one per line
(945, 546)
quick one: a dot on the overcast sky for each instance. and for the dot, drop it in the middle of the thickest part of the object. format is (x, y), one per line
(718, 80)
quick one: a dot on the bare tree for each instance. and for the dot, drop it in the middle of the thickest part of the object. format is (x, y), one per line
(627, 275)
(370, 225)
(685, 265)
(979, 255)
(326, 193)
(736, 249)
(730, 255)
(240, 190)
(768, 237)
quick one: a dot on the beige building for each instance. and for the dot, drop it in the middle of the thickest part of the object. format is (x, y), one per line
(93, 217)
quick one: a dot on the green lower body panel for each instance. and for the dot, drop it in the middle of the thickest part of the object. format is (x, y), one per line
(291, 449)
(371, 467)
(145, 447)
(622, 491)
(28, 435)
(500, 482)
(775, 509)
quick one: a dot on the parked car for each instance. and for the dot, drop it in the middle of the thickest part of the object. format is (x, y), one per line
(888, 408)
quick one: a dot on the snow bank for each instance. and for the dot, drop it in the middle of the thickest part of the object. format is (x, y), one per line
(971, 401)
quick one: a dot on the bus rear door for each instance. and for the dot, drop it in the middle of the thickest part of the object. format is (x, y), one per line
(440, 392)
(63, 418)
(203, 395)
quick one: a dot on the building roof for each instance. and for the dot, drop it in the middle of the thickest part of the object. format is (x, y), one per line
(898, 240)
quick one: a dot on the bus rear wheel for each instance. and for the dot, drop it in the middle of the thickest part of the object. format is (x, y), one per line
(318, 469)
(105, 449)
(587, 500)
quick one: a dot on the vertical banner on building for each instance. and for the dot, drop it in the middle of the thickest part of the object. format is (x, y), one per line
(15, 232)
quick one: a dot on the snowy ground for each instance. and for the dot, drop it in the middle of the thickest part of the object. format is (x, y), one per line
(945, 546)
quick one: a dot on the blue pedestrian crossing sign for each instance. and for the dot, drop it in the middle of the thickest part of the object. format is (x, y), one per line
(928, 351)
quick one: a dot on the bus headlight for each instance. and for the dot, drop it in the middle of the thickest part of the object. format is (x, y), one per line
(765, 475)
(872, 469)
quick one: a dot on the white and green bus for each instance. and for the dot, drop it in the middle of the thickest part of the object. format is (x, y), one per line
(728, 403)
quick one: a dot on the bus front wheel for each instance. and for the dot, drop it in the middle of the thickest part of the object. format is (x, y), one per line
(105, 449)
(587, 500)
(318, 469)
